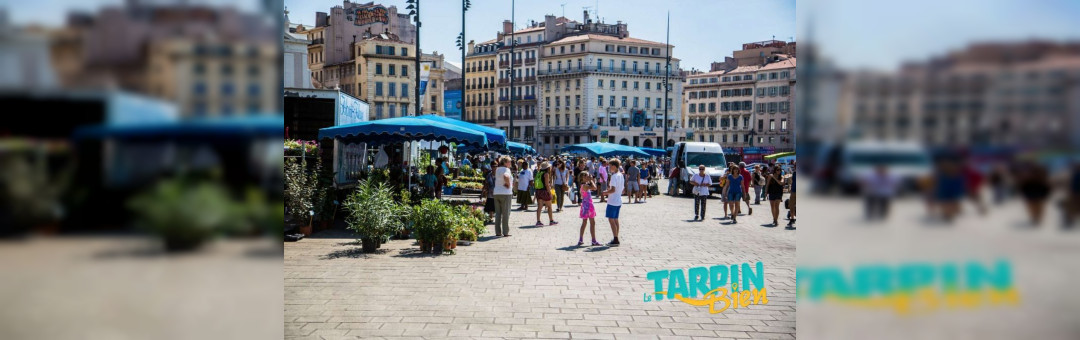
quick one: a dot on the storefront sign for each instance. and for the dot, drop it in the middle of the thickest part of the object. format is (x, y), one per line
(639, 118)
(349, 110)
(371, 15)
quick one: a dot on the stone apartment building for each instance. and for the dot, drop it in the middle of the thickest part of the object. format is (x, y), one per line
(480, 71)
(745, 103)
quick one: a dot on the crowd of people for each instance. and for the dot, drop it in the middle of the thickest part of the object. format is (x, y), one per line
(954, 181)
(548, 184)
(768, 181)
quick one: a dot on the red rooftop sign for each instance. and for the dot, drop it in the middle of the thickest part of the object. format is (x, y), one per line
(371, 15)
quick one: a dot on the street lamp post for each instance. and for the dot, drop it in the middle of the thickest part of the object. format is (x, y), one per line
(465, 5)
(414, 12)
(513, 42)
(667, 77)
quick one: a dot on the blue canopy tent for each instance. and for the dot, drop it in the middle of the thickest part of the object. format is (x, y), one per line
(654, 152)
(405, 129)
(496, 137)
(519, 148)
(197, 130)
(604, 149)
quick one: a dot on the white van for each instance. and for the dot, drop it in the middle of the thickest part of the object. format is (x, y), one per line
(687, 156)
(853, 161)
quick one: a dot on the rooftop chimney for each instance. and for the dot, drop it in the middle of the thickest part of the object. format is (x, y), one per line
(508, 26)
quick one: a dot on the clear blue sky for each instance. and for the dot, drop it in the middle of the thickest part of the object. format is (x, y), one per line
(882, 34)
(702, 31)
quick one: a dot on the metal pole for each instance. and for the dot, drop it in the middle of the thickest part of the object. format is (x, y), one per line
(667, 77)
(418, 53)
(463, 46)
(513, 42)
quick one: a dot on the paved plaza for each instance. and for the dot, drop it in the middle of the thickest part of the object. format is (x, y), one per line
(538, 283)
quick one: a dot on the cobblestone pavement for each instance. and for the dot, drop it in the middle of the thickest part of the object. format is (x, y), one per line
(538, 284)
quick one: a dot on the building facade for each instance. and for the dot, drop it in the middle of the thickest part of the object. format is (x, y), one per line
(214, 79)
(296, 73)
(774, 103)
(516, 75)
(435, 84)
(607, 88)
(347, 24)
(479, 94)
(1022, 95)
(747, 106)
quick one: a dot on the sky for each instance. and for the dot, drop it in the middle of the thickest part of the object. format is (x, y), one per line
(701, 31)
(881, 35)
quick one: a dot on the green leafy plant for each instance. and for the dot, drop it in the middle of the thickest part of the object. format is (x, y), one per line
(373, 213)
(186, 214)
(32, 192)
(300, 189)
(433, 221)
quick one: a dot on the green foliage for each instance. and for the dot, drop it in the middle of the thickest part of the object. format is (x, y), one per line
(372, 211)
(301, 187)
(32, 191)
(432, 221)
(187, 213)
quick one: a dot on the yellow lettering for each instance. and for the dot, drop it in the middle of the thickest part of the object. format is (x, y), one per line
(760, 297)
(1004, 297)
(744, 298)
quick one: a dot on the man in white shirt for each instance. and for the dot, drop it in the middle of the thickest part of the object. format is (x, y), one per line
(701, 182)
(503, 195)
(616, 184)
(525, 181)
(879, 188)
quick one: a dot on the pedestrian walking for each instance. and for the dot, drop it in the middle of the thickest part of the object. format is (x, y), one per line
(488, 191)
(503, 192)
(525, 182)
(879, 187)
(745, 188)
(587, 210)
(543, 185)
(791, 198)
(701, 182)
(759, 182)
(774, 188)
(998, 183)
(1072, 200)
(615, 188)
(1035, 188)
(973, 180)
(562, 177)
(735, 191)
(602, 178)
(948, 189)
(633, 176)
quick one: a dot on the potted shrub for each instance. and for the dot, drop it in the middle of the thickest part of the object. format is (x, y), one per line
(372, 213)
(300, 189)
(433, 224)
(185, 215)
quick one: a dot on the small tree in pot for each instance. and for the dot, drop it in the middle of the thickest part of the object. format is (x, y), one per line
(372, 213)
(300, 190)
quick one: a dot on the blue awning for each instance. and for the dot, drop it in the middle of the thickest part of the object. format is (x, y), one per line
(654, 152)
(195, 129)
(404, 129)
(495, 137)
(605, 149)
(519, 148)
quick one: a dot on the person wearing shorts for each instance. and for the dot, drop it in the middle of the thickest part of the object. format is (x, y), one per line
(616, 182)
(633, 175)
(734, 192)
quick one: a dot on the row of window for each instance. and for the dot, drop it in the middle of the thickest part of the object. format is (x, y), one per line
(611, 101)
(733, 122)
(631, 49)
(529, 91)
(723, 93)
(505, 57)
(391, 68)
(393, 110)
(392, 89)
(735, 139)
(745, 77)
(227, 89)
(483, 65)
(481, 82)
(724, 107)
(226, 69)
(773, 91)
(200, 109)
(634, 65)
(389, 50)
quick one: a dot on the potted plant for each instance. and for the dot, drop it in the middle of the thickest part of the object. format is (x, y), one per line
(185, 215)
(300, 189)
(432, 224)
(372, 213)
